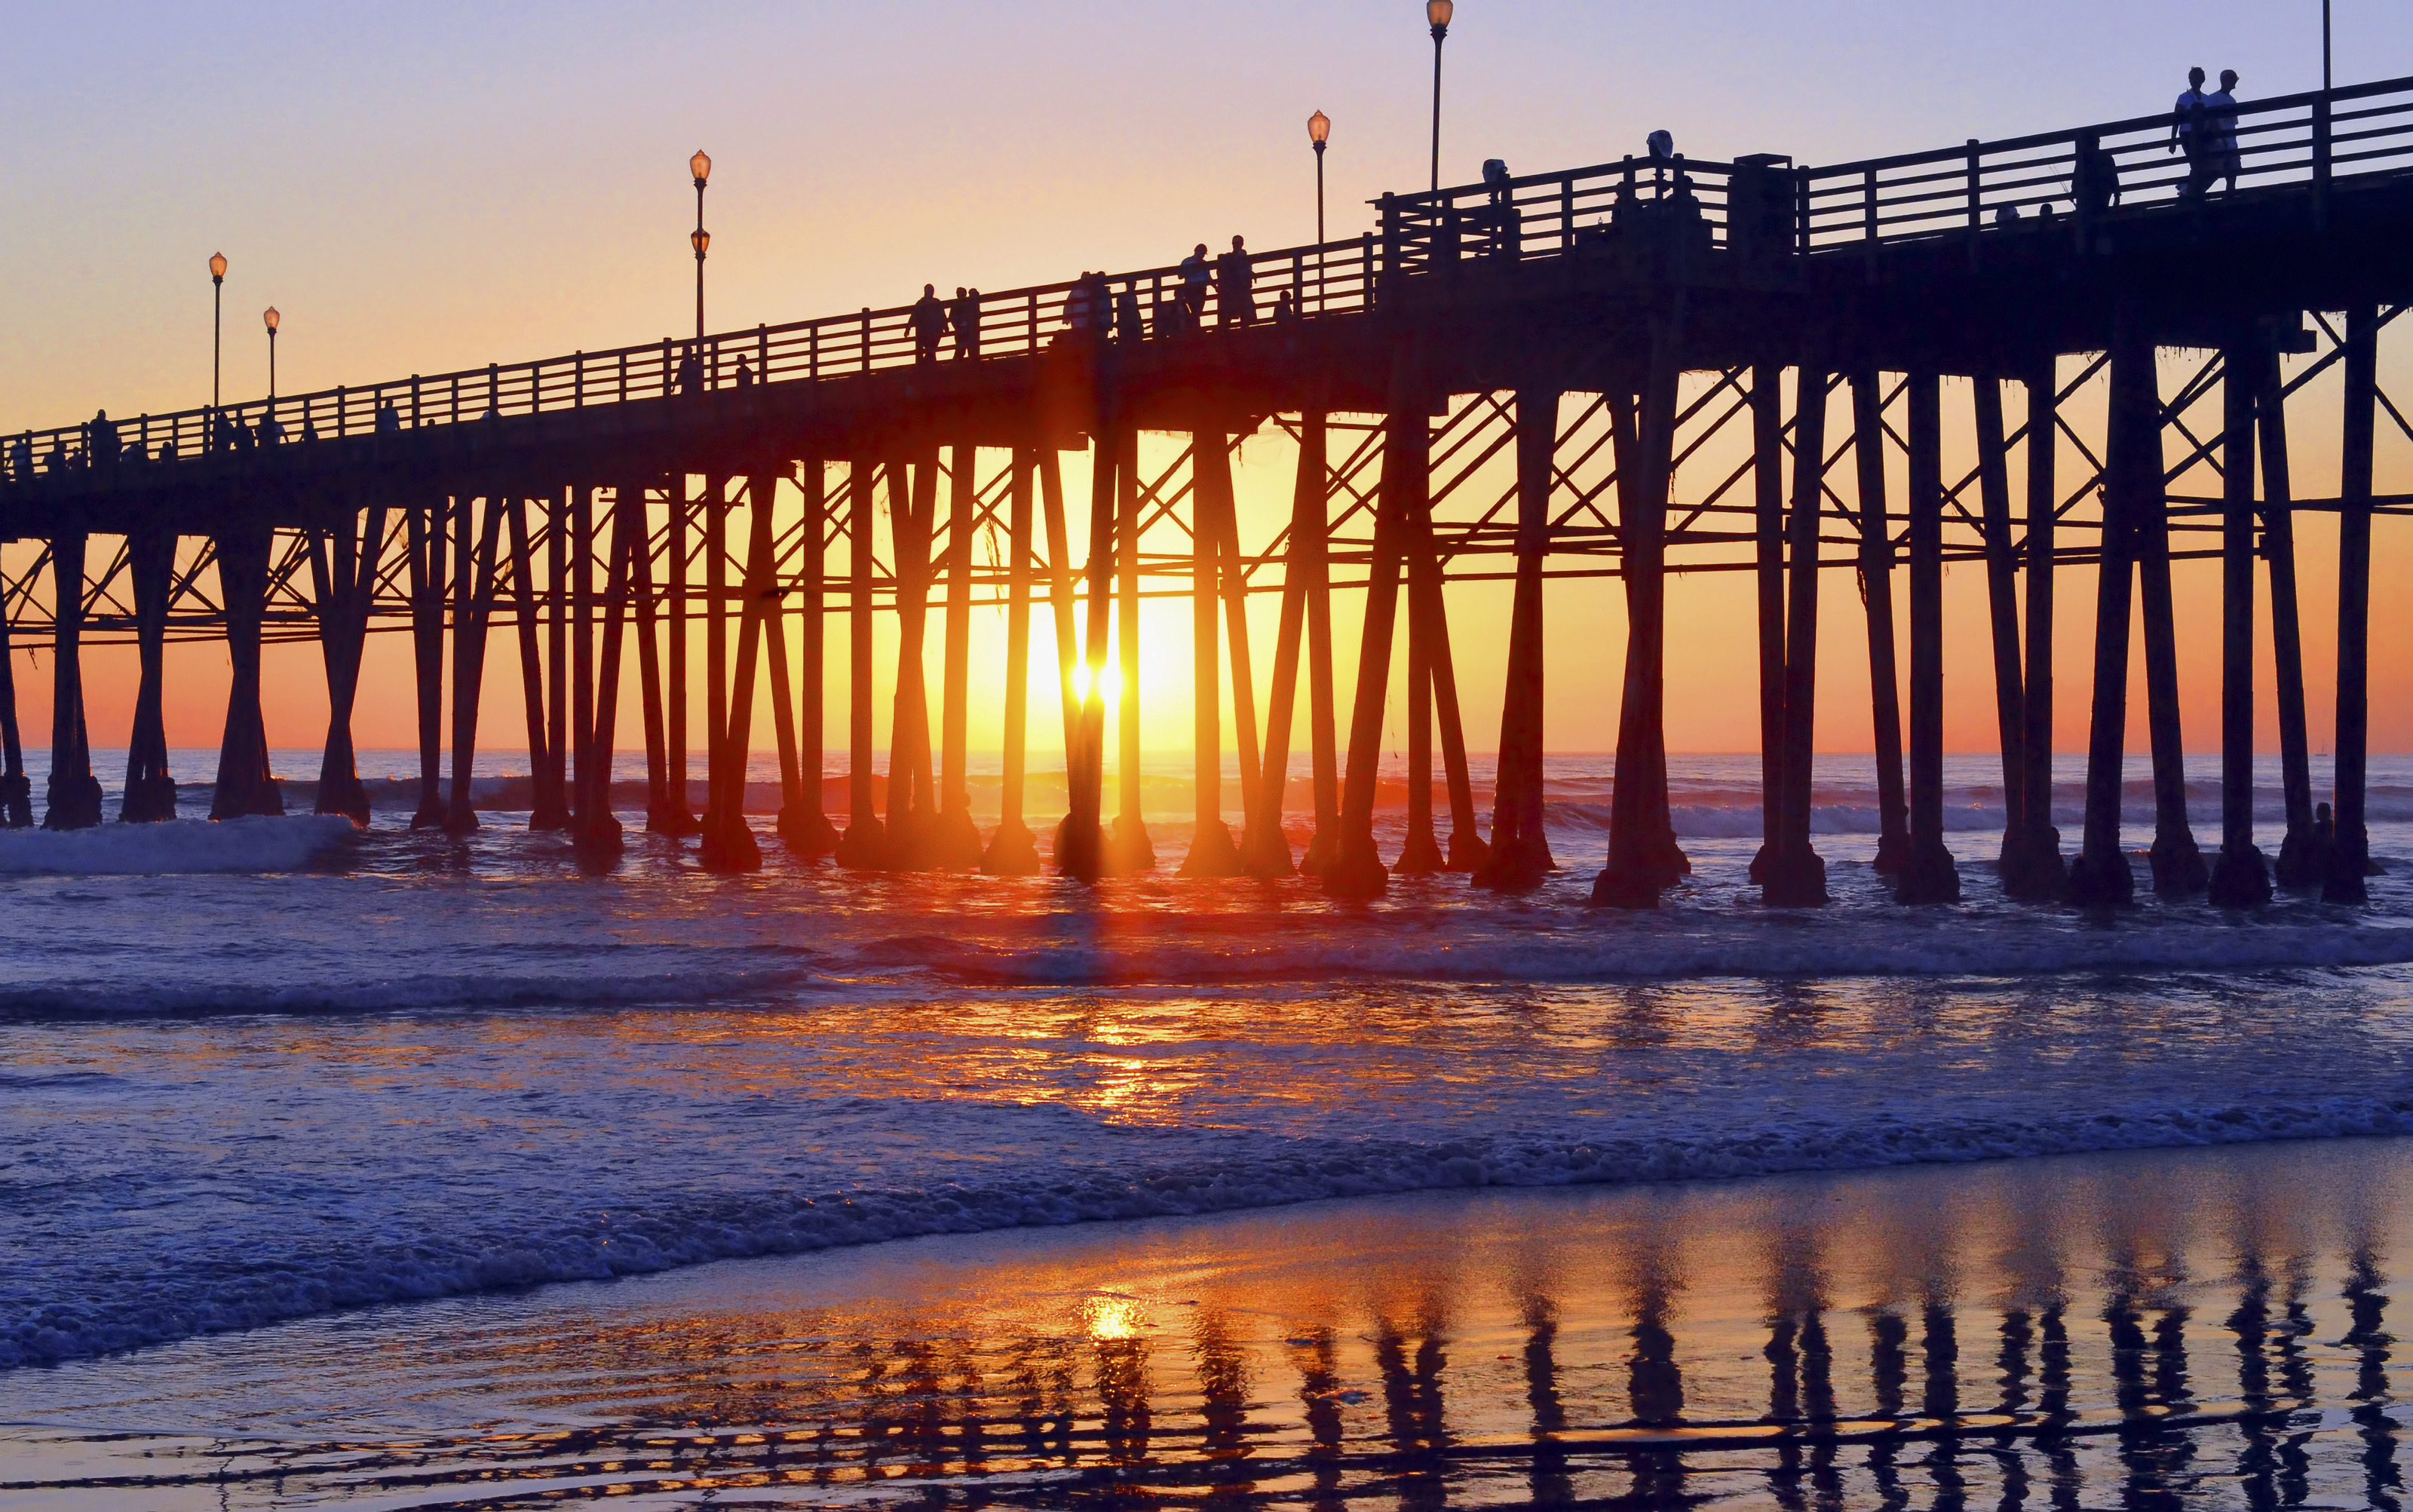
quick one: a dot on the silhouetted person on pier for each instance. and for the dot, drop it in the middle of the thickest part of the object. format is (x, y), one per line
(1127, 325)
(100, 442)
(309, 430)
(57, 461)
(1077, 312)
(2191, 133)
(20, 458)
(2094, 182)
(2220, 109)
(744, 374)
(389, 420)
(963, 318)
(1286, 311)
(1235, 297)
(929, 321)
(1194, 284)
(691, 373)
(271, 431)
(1503, 222)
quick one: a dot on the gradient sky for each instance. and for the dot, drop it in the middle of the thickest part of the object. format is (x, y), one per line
(421, 187)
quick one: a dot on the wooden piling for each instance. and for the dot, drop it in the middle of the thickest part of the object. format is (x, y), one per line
(715, 509)
(1323, 734)
(1768, 564)
(729, 845)
(474, 580)
(1232, 580)
(1212, 852)
(2240, 878)
(1131, 849)
(1928, 873)
(865, 844)
(1081, 849)
(598, 837)
(660, 819)
(558, 508)
(1012, 849)
(1876, 599)
(912, 507)
(546, 810)
(150, 793)
(678, 817)
(344, 572)
(2300, 862)
(2177, 865)
(427, 535)
(2003, 612)
(1420, 853)
(955, 841)
(1429, 606)
(74, 792)
(813, 835)
(2350, 849)
(16, 787)
(1643, 857)
(244, 785)
(1519, 854)
(1356, 869)
(2100, 877)
(2036, 871)
(1797, 874)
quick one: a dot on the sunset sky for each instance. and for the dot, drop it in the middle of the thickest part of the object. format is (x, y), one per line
(421, 188)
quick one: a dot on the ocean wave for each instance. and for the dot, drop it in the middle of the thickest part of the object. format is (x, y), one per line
(258, 843)
(152, 1303)
(487, 988)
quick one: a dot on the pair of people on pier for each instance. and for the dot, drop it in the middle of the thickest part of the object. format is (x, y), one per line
(1233, 276)
(2204, 126)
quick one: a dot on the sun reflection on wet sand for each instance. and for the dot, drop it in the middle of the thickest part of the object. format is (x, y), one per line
(2175, 1328)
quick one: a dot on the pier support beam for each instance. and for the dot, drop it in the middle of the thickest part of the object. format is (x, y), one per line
(2240, 878)
(913, 809)
(244, 786)
(343, 568)
(150, 793)
(2033, 871)
(1131, 849)
(1520, 850)
(1796, 875)
(598, 836)
(474, 579)
(2100, 877)
(1928, 874)
(2003, 612)
(864, 843)
(728, 845)
(576, 527)
(812, 834)
(1266, 847)
(1012, 848)
(678, 817)
(1063, 603)
(547, 809)
(2300, 852)
(954, 839)
(16, 787)
(1308, 506)
(714, 507)
(1356, 869)
(2177, 865)
(426, 544)
(1643, 857)
(2350, 847)
(1212, 852)
(1081, 845)
(1876, 599)
(632, 502)
(74, 792)
(1429, 617)
(1768, 573)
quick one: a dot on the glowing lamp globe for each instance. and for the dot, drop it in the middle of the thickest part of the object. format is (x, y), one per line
(700, 166)
(217, 265)
(703, 240)
(268, 316)
(1438, 12)
(1319, 128)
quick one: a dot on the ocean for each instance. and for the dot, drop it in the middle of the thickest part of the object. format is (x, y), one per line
(276, 1080)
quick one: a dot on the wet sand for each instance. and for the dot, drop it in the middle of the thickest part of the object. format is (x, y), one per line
(2208, 1325)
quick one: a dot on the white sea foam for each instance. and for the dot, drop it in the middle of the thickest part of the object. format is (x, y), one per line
(178, 845)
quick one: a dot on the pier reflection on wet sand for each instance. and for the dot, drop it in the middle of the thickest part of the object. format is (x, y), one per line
(2201, 1327)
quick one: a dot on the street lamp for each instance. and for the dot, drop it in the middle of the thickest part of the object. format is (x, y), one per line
(1319, 131)
(1438, 12)
(269, 317)
(218, 322)
(700, 166)
(2325, 46)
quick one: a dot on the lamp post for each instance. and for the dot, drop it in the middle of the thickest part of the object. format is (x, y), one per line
(1319, 131)
(269, 317)
(700, 166)
(1438, 12)
(218, 324)
(2325, 45)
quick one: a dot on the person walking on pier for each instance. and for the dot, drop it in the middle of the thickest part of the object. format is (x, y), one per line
(2191, 133)
(1235, 295)
(20, 458)
(389, 420)
(2221, 107)
(691, 373)
(101, 439)
(1194, 285)
(963, 318)
(929, 321)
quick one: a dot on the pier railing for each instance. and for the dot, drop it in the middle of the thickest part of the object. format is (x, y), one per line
(1764, 206)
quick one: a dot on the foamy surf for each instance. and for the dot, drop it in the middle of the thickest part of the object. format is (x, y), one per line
(175, 846)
